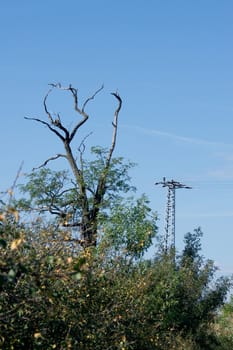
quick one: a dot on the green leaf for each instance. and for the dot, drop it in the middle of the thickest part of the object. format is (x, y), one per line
(11, 274)
(77, 276)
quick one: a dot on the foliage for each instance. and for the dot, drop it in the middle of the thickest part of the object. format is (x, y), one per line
(56, 192)
(55, 295)
(130, 228)
(223, 326)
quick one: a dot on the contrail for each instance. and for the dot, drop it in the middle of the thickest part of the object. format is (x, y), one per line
(186, 139)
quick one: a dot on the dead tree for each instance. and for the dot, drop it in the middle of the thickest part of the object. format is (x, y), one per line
(89, 209)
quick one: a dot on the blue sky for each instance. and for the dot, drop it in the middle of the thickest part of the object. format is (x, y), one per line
(171, 61)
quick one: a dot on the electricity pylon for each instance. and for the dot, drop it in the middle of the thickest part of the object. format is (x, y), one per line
(170, 219)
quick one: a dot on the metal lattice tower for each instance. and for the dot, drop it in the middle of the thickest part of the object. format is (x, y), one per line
(170, 220)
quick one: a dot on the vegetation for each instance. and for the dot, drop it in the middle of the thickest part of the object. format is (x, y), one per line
(61, 288)
(54, 296)
(223, 326)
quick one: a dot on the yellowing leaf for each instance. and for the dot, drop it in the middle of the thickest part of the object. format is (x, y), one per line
(16, 215)
(69, 260)
(37, 335)
(2, 217)
(15, 243)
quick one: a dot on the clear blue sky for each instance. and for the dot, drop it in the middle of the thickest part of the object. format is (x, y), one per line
(171, 61)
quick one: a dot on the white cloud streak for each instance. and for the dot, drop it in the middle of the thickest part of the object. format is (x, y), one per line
(176, 137)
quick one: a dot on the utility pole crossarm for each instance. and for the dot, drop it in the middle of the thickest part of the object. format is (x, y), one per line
(172, 185)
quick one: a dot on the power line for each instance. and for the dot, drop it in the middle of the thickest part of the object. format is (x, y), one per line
(170, 221)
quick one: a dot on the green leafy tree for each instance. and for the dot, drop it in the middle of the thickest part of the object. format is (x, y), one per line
(55, 192)
(82, 200)
(197, 295)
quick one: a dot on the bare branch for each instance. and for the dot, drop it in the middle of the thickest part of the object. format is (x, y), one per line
(92, 97)
(74, 93)
(101, 187)
(115, 125)
(47, 124)
(17, 177)
(45, 106)
(82, 144)
(10, 191)
(56, 122)
(57, 85)
(81, 150)
(50, 159)
(82, 111)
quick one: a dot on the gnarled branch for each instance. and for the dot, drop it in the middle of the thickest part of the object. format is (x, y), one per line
(82, 111)
(49, 160)
(88, 207)
(49, 126)
(57, 122)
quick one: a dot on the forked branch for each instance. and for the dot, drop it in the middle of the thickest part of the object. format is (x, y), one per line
(90, 199)
(49, 126)
(81, 111)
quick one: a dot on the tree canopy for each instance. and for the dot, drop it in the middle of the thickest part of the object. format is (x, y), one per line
(77, 277)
